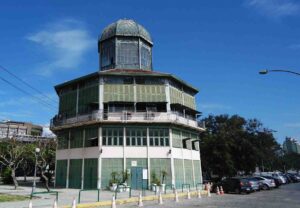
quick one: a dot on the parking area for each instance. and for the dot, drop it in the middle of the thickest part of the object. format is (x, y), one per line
(286, 196)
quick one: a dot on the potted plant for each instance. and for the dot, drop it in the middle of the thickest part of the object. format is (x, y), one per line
(155, 182)
(164, 175)
(113, 183)
(125, 178)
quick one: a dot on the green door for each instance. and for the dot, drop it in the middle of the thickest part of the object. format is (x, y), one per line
(61, 173)
(90, 173)
(75, 173)
(137, 181)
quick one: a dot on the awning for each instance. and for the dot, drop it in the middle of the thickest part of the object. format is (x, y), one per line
(183, 107)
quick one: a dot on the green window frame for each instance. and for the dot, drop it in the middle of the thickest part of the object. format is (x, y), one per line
(91, 136)
(76, 139)
(136, 137)
(159, 137)
(112, 136)
(63, 140)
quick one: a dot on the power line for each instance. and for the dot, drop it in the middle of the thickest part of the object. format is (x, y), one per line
(27, 93)
(28, 85)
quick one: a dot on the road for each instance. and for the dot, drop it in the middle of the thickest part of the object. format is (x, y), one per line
(287, 196)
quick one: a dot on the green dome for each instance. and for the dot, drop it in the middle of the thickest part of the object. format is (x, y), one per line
(127, 28)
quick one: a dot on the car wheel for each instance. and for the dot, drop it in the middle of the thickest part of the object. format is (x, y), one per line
(265, 187)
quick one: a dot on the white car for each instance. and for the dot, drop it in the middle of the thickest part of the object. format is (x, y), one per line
(266, 183)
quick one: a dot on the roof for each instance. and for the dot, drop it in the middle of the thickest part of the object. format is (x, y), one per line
(125, 27)
(126, 72)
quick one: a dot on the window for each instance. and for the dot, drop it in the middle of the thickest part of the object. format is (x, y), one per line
(91, 136)
(76, 139)
(112, 136)
(128, 53)
(159, 137)
(136, 137)
(107, 54)
(63, 140)
(146, 56)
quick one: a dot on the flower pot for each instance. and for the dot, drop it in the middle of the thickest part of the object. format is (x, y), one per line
(113, 187)
(163, 187)
(154, 187)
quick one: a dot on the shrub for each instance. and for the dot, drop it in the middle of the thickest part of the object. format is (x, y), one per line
(6, 176)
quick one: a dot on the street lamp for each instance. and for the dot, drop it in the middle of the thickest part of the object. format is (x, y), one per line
(36, 152)
(266, 71)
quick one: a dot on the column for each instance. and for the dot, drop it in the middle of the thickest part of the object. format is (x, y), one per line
(182, 157)
(201, 178)
(148, 158)
(83, 156)
(172, 159)
(168, 98)
(99, 157)
(124, 146)
(68, 165)
(101, 94)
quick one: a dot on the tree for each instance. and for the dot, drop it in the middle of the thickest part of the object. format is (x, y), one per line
(11, 156)
(232, 144)
(27, 165)
(46, 160)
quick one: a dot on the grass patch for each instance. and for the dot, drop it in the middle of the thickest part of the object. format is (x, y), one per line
(9, 197)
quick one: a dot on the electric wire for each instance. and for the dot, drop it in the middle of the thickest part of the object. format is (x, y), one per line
(48, 105)
(28, 85)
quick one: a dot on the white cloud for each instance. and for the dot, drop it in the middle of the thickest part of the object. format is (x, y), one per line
(65, 43)
(292, 125)
(275, 8)
(47, 132)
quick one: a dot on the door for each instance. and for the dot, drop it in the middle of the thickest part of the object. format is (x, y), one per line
(137, 178)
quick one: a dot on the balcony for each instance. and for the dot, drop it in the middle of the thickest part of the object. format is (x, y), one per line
(126, 117)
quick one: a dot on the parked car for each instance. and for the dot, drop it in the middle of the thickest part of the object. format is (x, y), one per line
(236, 185)
(266, 183)
(294, 177)
(276, 175)
(254, 183)
(288, 178)
(278, 182)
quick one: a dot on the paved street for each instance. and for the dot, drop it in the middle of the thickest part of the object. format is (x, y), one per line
(287, 196)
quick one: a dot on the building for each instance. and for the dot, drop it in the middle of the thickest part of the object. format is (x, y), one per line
(291, 145)
(126, 118)
(21, 130)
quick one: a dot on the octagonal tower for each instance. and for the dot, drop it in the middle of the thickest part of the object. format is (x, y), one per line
(127, 118)
(125, 45)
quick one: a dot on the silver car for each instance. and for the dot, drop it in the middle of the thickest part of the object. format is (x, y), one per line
(266, 183)
(254, 183)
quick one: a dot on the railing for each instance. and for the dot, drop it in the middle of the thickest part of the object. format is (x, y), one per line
(127, 116)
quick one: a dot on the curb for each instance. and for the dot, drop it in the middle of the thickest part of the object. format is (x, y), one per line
(134, 199)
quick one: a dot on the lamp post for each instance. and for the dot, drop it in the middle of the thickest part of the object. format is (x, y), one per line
(266, 71)
(36, 152)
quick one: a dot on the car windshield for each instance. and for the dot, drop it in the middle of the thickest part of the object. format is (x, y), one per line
(244, 180)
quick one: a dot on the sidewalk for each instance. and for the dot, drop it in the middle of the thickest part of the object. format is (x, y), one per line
(65, 196)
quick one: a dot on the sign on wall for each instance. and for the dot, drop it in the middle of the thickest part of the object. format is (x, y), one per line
(133, 163)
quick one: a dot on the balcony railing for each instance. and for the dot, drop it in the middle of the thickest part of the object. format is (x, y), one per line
(127, 116)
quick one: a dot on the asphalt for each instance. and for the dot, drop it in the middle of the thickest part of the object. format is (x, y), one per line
(287, 196)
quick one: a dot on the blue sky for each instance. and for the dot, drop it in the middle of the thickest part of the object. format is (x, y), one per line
(218, 46)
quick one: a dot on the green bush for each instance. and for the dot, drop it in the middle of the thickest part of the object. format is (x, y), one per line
(6, 176)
